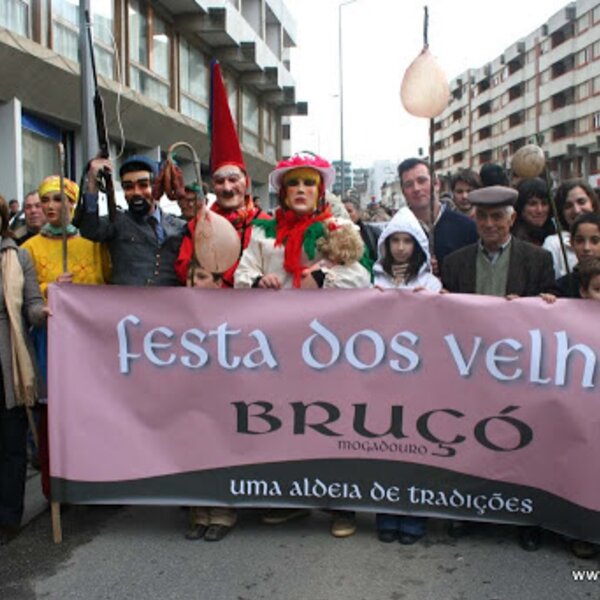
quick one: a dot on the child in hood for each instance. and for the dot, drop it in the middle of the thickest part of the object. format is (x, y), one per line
(403, 260)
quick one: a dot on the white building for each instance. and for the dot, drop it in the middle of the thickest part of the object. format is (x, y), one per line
(160, 50)
(542, 89)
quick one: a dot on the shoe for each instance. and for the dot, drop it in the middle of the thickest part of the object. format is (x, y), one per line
(343, 525)
(196, 532)
(216, 533)
(277, 516)
(407, 539)
(458, 529)
(583, 549)
(387, 536)
(530, 538)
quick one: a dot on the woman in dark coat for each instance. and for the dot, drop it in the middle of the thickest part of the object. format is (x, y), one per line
(21, 303)
(534, 222)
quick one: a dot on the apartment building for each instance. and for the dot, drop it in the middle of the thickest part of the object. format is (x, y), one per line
(542, 89)
(153, 58)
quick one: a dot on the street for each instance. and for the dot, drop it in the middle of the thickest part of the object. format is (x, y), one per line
(139, 552)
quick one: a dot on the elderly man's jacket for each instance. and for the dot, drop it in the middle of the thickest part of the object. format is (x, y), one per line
(530, 270)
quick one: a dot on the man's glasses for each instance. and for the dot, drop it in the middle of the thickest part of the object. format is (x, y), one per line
(295, 182)
(131, 185)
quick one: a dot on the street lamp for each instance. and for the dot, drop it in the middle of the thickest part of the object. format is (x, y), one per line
(341, 67)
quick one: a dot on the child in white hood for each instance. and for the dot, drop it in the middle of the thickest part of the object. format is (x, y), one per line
(403, 259)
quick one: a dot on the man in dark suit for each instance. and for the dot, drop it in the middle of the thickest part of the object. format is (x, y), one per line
(499, 264)
(143, 241)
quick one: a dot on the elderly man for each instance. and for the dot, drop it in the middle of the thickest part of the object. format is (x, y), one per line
(143, 241)
(34, 218)
(499, 264)
(451, 229)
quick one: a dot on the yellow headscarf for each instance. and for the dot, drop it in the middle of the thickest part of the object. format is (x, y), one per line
(51, 185)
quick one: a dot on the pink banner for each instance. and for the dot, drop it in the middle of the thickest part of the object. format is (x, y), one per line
(460, 390)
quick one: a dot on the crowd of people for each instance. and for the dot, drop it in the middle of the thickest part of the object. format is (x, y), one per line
(490, 238)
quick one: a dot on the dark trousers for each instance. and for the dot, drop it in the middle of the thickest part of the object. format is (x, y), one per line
(13, 463)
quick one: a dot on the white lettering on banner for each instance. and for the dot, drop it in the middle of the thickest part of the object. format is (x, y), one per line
(334, 345)
(494, 358)
(363, 350)
(260, 354)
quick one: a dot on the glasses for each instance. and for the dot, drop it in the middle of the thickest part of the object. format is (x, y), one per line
(131, 185)
(295, 182)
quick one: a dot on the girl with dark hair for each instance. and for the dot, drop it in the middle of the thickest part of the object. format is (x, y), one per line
(573, 198)
(404, 260)
(404, 263)
(534, 222)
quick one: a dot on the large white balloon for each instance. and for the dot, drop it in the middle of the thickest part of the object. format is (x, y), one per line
(216, 242)
(425, 91)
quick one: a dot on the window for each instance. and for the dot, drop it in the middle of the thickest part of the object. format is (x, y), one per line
(270, 134)
(194, 77)
(581, 58)
(596, 120)
(15, 15)
(104, 43)
(583, 91)
(250, 120)
(582, 23)
(39, 145)
(149, 53)
(596, 49)
(583, 125)
(65, 28)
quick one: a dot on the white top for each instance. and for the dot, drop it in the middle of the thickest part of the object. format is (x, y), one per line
(552, 244)
(404, 221)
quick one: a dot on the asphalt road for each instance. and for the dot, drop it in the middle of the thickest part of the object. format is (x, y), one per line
(140, 553)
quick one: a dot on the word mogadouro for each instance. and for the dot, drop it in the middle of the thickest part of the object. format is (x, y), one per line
(324, 418)
(505, 360)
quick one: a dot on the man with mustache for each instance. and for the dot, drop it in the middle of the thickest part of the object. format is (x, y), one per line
(143, 241)
(229, 178)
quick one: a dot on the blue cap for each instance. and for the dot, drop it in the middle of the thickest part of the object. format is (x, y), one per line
(138, 162)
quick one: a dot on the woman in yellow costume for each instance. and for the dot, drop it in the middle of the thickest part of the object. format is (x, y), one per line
(87, 263)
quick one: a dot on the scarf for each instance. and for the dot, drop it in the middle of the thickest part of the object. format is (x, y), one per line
(48, 230)
(24, 383)
(296, 232)
(238, 218)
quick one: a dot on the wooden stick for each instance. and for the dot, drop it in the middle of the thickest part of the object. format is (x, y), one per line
(33, 427)
(56, 525)
(64, 209)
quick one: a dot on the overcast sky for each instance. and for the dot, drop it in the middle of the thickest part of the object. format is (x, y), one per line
(380, 40)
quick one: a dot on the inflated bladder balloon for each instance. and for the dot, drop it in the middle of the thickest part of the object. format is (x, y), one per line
(424, 91)
(528, 161)
(216, 242)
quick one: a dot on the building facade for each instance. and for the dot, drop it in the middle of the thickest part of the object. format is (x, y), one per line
(543, 89)
(153, 62)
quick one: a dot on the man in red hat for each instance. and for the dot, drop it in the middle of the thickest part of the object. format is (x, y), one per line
(230, 179)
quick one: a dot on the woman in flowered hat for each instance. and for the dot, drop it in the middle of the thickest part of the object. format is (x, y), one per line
(305, 246)
(87, 263)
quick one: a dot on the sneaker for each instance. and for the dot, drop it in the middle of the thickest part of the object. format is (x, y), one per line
(583, 549)
(277, 516)
(343, 525)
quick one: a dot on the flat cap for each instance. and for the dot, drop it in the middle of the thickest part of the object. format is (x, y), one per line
(495, 195)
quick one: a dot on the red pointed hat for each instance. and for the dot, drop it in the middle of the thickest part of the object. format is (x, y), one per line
(224, 143)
